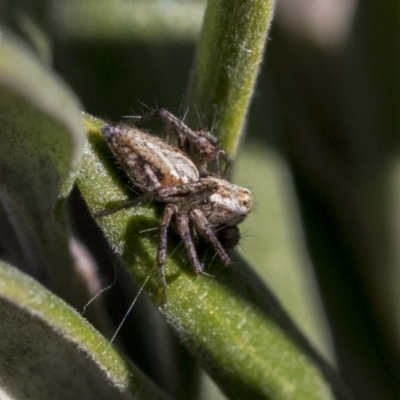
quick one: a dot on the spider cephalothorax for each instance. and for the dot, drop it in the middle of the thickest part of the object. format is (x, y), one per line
(196, 200)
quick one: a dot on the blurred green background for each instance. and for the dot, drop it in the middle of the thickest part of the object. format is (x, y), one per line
(320, 152)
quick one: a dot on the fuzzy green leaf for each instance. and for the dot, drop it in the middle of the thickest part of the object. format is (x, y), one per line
(48, 351)
(42, 142)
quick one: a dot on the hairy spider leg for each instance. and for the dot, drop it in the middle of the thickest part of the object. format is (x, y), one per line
(169, 211)
(207, 145)
(210, 149)
(123, 206)
(182, 224)
(202, 225)
(167, 194)
(163, 194)
(176, 193)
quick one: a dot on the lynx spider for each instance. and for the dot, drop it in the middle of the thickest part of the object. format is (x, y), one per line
(200, 202)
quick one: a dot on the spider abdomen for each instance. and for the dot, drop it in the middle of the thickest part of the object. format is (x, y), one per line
(149, 161)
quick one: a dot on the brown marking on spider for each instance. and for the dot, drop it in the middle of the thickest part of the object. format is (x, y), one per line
(198, 202)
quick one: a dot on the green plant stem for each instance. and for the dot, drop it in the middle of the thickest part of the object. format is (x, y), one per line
(226, 65)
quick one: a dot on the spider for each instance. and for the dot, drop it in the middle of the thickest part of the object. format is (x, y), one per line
(199, 202)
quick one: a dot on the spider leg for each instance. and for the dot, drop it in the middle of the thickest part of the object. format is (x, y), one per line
(208, 150)
(127, 204)
(178, 192)
(206, 144)
(203, 226)
(168, 213)
(228, 163)
(173, 125)
(123, 206)
(182, 223)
